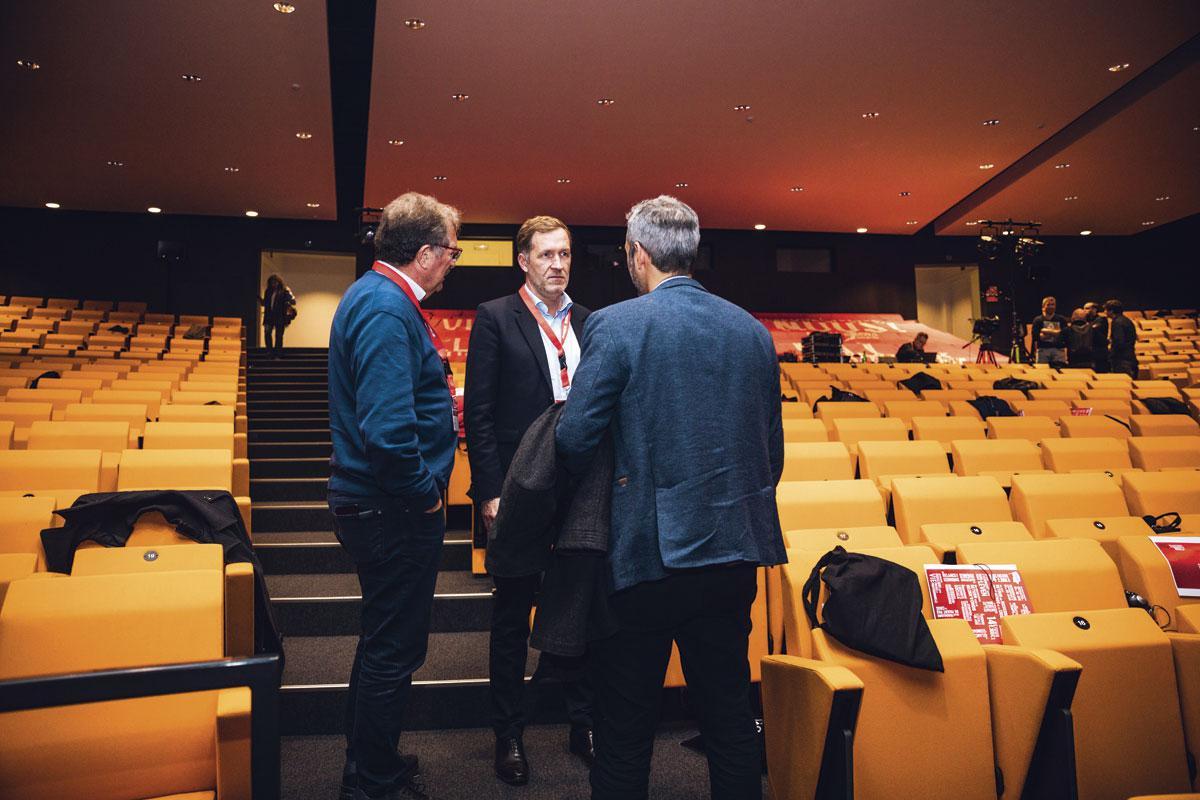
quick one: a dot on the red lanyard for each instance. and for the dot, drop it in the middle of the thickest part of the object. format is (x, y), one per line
(444, 354)
(557, 341)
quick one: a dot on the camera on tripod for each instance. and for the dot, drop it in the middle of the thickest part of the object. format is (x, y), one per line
(984, 327)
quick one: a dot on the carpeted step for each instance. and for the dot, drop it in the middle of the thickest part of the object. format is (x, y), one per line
(290, 467)
(279, 489)
(320, 434)
(306, 421)
(321, 449)
(284, 553)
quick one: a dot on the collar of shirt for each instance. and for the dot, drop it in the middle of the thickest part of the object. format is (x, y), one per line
(417, 290)
(541, 306)
(672, 278)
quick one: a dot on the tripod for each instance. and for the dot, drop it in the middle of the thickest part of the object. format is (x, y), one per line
(986, 354)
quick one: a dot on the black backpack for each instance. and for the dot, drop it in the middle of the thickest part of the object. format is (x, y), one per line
(920, 382)
(1164, 405)
(989, 406)
(837, 395)
(874, 606)
(1016, 383)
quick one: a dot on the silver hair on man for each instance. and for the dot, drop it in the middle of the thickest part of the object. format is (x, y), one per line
(668, 230)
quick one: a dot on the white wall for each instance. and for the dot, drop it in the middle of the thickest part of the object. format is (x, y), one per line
(948, 298)
(318, 280)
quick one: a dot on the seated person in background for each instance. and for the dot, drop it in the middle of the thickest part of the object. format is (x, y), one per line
(1080, 341)
(1121, 352)
(1099, 326)
(913, 352)
(1049, 334)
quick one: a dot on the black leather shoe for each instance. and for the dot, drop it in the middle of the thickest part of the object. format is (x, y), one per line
(410, 778)
(511, 765)
(580, 743)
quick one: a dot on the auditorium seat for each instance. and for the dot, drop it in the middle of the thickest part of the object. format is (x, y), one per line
(21, 521)
(57, 398)
(59, 474)
(1059, 574)
(1106, 530)
(852, 538)
(110, 438)
(170, 412)
(830, 412)
(885, 461)
(921, 501)
(907, 409)
(817, 461)
(1145, 572)
(1110, 456)
(22, 415)
(889, 393)
(945, 430)
(1041, 408)
(150, 399)
(1165, 452)
(804, 430)
(996, 458)
(1122, 394)
(196, 435)
(946, 395)
(133, 414)
(1038, 498)
(1056, 393)
(1094, 426)
(1129, 730)
(827, 504)
(851, 431)
(944, 538)
(792, 410)
(1033, 429)
(1164, 425)
(183, 469)
(6, 434)
(1158, 493)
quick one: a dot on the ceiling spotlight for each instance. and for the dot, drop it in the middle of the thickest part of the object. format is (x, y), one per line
(760, 227)
(1147, 223)
(1071, 197)
(459, 97)
(986, 166)
(870, 115)
(52, 205)
(1085, 233)
(681, 185)
(439, 178)
(233, 169)
(29, 64)
(313, 205)
(912, 222)
(991, 122)
(283, 8)
(563, 180)
(796, 189)
(1061, 166)
(1118, 68)
(115, 163)
(414, 24)
(905, 194)
(1163, 197)
(741, 108)
(191, 77)
(395, 142)
(154, 210)
(973, 222)
(605, 101)
(860, 230)
(251, 213)
(305, 135)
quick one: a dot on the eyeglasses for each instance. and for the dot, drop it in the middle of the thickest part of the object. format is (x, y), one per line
(455, 252)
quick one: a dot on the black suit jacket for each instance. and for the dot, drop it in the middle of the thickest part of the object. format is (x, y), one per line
(507, 387)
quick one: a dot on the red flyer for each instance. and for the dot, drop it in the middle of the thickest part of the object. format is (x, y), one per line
(979, 593)
(1081, 412)
(1183, 556)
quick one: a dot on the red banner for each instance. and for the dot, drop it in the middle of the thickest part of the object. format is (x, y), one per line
(1183, 555)
(979, 593)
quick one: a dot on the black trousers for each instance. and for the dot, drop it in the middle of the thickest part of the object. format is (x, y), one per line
(707, 613)
(1126, 365)
(396, 552)
(267, 328)
(508, 648)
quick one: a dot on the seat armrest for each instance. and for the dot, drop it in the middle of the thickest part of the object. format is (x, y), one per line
(109, 464)
(810, 710)
(243, 504)
(241, 477)
(240, 423)
(1186, 649)
(240, 447)
(239, 609)
(775, 608)
(1032, 730)
(233, 744)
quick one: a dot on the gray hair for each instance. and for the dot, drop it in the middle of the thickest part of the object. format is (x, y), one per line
(668, 230)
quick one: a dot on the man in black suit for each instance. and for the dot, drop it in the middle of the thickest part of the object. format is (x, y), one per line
(522, 356)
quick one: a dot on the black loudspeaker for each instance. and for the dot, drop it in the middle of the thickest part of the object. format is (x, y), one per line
(172, 253)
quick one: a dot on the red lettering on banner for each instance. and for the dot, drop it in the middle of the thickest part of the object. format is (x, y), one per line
(979, 593)
(1183, 556)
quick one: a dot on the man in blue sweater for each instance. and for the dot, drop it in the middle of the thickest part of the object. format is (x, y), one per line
(394, 426)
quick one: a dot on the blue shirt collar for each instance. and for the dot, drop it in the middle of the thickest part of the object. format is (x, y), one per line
(541, 306)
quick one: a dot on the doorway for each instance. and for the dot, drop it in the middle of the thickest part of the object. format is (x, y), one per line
(318, 280)
(948, 298)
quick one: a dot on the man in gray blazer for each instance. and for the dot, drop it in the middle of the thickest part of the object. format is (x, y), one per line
(688, 383)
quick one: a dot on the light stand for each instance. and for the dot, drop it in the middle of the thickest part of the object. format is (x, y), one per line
(1000, 241)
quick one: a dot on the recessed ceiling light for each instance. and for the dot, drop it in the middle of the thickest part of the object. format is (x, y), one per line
(191, 77)
(741, 108)
(681, 185)
(414, 24)
(115, 163)
(986, 166)
(605, 101)
(52, 205)
(251, 213)
(29, 64)
(912, 222)
(905, 194)
(562, 180)
(305, 135)
(1061, 166)
(860, 230)
(796, 189)
(233, 169)
(1147, 223)
(481, 247)
(1085, 233)
(1118, 67)
(313, 205)
(395, 142)
(439, 177)
(283, 8)
(973, 222)
(760, 227)
(154, 210)
(991, 122)
(870, 115)
(459, 97)
(1071, 197)
(1163, 197)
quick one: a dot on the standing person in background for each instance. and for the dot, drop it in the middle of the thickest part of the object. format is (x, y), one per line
(1079, 341)
(688, 384)
(1099, 325)
(522, 357)
(1049, 334)
(394, 424)
(1122, 355)
(279, 308)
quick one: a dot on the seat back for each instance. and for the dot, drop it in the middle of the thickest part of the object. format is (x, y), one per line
(827, 504)
(878, 459)
(134, 414)
(851, 431)
(1059, 574)
(921, 501)
(1164, 452)
(188, 436)
(108, 437)
(945, 430)
(1094, 426)
(47, 470)
(800, 430)
(1159, 492)
(1033, 429)
(1163, 425)
(1146, 572)
(22, 520)
(816, 461)
(996, 457)
(175, 469)
(1086, 455)
(945, 537)
(1128, 728)
(907, 409)
(1037, 498)
(828, 412)
(853, 538)
(150, 399)
(57, 398)
(22, 415)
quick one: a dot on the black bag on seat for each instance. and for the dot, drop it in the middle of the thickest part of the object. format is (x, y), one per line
(1164, 405)
(920, 382)
(837, 395)
(1169, 522)
(874, 606)
(1016, 383)
(989, 406)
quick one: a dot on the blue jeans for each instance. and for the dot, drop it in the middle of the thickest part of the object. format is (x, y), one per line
(396, 552)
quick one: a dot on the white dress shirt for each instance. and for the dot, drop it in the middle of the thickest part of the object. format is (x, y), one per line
(570, 345)
(418, 292)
